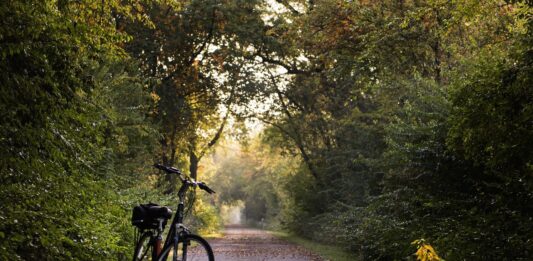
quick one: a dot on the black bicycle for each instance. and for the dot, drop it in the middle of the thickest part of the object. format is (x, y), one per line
(180, 244)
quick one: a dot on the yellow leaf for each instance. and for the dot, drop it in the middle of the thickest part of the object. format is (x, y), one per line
(425, 252)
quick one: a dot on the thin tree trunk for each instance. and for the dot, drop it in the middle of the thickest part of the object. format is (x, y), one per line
(193, 167)
(169, 160)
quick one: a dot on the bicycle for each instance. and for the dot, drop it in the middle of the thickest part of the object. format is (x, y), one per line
(180, 242)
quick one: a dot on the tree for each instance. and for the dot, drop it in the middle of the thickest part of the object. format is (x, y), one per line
(53, 136)
(188, 54)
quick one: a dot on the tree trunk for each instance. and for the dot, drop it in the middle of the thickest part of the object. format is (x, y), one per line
(193, 167)
(169, 158)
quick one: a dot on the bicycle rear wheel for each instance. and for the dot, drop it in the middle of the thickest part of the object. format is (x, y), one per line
(190, 248)
(144, 248)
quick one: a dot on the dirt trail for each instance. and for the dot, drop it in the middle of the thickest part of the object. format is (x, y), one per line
(241, 243)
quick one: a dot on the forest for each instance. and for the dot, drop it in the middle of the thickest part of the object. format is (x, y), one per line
(382, 127)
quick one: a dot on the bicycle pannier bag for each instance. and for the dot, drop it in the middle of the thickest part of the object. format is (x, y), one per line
(145, 216)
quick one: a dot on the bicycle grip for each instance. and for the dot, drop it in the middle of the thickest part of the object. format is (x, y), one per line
(205, 187)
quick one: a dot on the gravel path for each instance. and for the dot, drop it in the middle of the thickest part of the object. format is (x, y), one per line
(241, 243)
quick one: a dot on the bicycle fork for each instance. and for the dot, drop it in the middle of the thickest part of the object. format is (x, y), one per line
(180, 230)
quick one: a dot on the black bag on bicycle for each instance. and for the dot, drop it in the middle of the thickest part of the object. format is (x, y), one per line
(146, 216)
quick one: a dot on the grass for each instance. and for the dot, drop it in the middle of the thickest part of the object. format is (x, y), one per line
(333, 253)
(212, 235)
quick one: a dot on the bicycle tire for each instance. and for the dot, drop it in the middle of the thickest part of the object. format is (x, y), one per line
(144, 248)
(190, 248)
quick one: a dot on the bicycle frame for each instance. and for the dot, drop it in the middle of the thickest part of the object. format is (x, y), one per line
(177, 228)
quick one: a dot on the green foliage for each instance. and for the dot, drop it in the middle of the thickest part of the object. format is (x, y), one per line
(413, 120)
(255, 176)
(204, 217)
(58, 170)
(493, 113)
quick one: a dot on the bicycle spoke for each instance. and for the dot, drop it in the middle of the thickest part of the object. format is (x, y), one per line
(195, 251)
(144, 249)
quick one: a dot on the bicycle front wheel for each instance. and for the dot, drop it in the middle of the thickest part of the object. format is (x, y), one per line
(190, 248)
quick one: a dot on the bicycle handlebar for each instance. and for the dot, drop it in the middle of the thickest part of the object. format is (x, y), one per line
(189, 181)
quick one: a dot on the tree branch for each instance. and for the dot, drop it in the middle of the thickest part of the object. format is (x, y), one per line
(290, 69)
(296, 137)
(204, 44)
(300, 146)
(288, 6)
(207, 38)
(218, 134)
